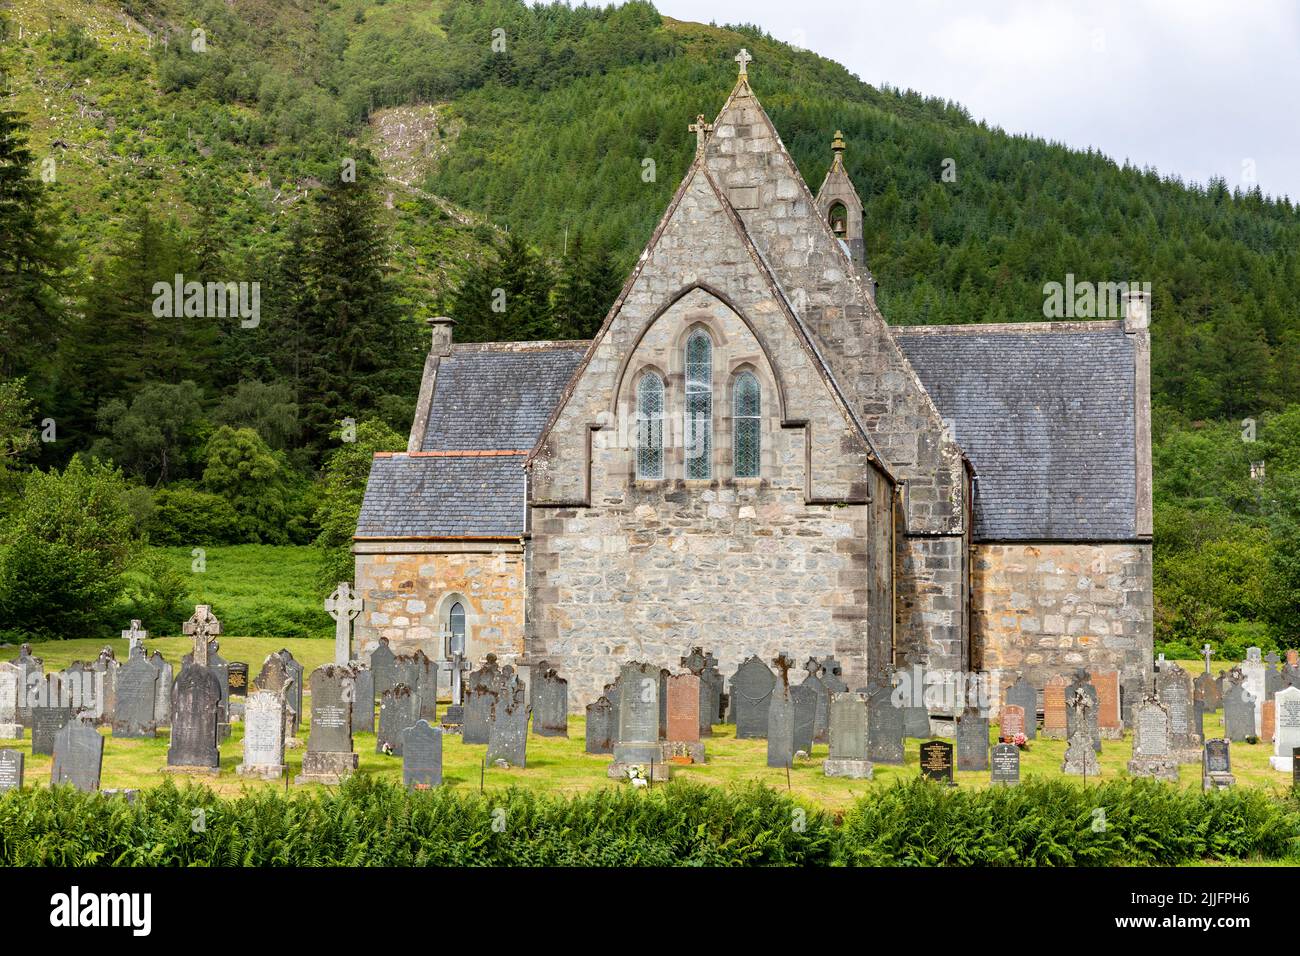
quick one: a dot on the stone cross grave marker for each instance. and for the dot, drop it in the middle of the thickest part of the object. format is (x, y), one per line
(11, 770)
(1004, 764)
(264, 724)
(751, 693)
(1288, 729)
(202, 626)
(1207, 652)
(780, 716)
(196, 702)
(343, 605)
(972, 740)
(847, 722)
(1082, 701)
(936, 761)
(1080, 755)
(600, 727)
(135, 635)
(550, 705)
(78, 756)
(421, 756)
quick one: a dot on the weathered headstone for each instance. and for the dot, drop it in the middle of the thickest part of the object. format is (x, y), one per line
(848, 738)
(329, 756)
(196, 702)
(821, 700)
(11, 727)
(1021, 694)
(1110, 724)
(508, 738)
(482, 687)
(398, 709)
(78, 756)
(936, 761)
(682, 737)
(600, 727)
(1268, 730)
(1238, 709)
(972, 740)
(381, 665)
(1004, 764)
(363, 708)
(751, 694)
(137, 698)
(1288, 729)
(1080, 755)
(780, 727)
(1081, 704)
(1011, 723)
(11, 770)
(30, 670)
(425, 686)
(1153, 752)
(551, 705)
(1252, 669)
(163, 702)
(1216, 769)
(1174, 691)
(294, 695)
(422, 756)
(343, 605)
(1206, 690)
(264, 725)
(46, 724)
(805, 716)
(1054, 719)
(884, 727)
(637, 744)
(106, 666)
(1272, 676)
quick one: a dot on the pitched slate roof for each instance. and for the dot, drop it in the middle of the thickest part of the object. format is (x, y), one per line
(443, 496)
(498, 396)
(1046, 416)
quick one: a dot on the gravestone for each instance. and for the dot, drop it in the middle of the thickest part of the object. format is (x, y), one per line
(11, 727)
(106, 666)
(1081, 704)
(600, 727)
(11, 770)
(237, 679)
(805, 716)
(30, 670)
(1207, 691)
(481, 690)
(1110, 724)
(196, 703)
(551, 705)
(1054, 719)
(78, 756)
(1238, 710)
(1011, 723)
(751, 698)
(425, 686)
(1252, 669)
(972, 740)
(1174, 691)
(381, 665)
(508, 738)
(329, 756)
(264, 725)
(1153, 750)
(1198, 719)
(422, 756)
(1272, 676)
(1288, 729)
(363, 708)
(637, 743)
(294, 694)
(664, 674)
(1132, 689)
(683, 732)
(1080, 755)
(398, 709)
(1004, 764)
(46, 724)
(884, 727)
(821, 700)
(936, 761)
(717, 690)
(698, 664)
(1269, 721)
(343, 605)
(847, 730)
(1022, 694)
(1216, 769)
(275, 676)
(163, 702)
(135, 636)
(137, 698)
(780, 727)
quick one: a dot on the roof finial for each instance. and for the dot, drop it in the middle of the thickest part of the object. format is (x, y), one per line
(743, 58)
(837, 144)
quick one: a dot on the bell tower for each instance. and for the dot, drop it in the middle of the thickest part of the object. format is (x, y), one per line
(840, 206)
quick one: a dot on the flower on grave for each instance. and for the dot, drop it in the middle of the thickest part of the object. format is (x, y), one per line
(388, 749)
(636, 773)
(1021, 741)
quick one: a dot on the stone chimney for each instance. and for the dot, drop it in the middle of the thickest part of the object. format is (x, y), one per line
(1137, 311)
(441, 326)
(1137, 326)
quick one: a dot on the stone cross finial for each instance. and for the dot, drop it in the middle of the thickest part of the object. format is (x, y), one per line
(837, 144)
(136, 635)
(1207, 652)
(744, 59)
(202, 627)
(701, 130)
(343, 605)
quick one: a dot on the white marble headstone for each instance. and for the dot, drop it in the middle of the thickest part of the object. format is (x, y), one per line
(1288, 728)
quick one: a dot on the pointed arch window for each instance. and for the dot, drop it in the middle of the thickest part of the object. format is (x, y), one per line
(650, 426)
(746, 415)
(699, 405)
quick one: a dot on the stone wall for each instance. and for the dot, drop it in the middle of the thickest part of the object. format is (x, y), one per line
(1046, 609)
(408, 588)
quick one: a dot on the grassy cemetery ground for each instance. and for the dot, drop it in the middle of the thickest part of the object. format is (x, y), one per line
(559, 765)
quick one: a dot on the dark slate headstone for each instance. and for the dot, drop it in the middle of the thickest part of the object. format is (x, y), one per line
(295, 672)
(550, 705)
(1022, 694)
(78, 756)
(751, 696)
(11, 770)
(508, 739)
(398, 709)
(482, 688)
(422, 756)
(1238, 712)
(363, 708)
(884, 727)
(936, 761)
(600, 727)
(1272, 676)
(237, 679)
(46, 724)
(821, 698)
(220, 667)
(333, 687)
(805, 699)
(1005, 764)
(422, 678)
(972, 741)
(1218, 756)
(196, 702)
(137, 698)
(780, 728)
(664, 674)
(381, 665)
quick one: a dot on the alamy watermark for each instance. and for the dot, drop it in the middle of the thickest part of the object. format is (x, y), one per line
(1088, 300)
(209, 300)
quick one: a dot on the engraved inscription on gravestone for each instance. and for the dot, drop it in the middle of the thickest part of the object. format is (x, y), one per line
(936, 761)
(421, 756)
(1004, 764)
(11, 770)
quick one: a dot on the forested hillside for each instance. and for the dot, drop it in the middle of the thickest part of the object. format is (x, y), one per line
(369, 164)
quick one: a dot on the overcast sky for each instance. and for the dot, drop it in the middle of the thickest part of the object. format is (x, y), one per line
(1191, 87)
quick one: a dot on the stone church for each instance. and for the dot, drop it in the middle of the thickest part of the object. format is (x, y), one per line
(747, 457)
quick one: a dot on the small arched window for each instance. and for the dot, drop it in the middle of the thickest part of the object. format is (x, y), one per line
(456, 625)
(747, 439)
(699, 405)
(650, 426)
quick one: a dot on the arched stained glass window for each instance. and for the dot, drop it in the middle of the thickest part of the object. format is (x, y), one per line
(747, 439)
(699, 405)
(650, 426)
(456, 624)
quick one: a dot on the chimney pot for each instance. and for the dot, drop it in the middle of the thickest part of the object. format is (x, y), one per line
(441, 325)
(1137, 311)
